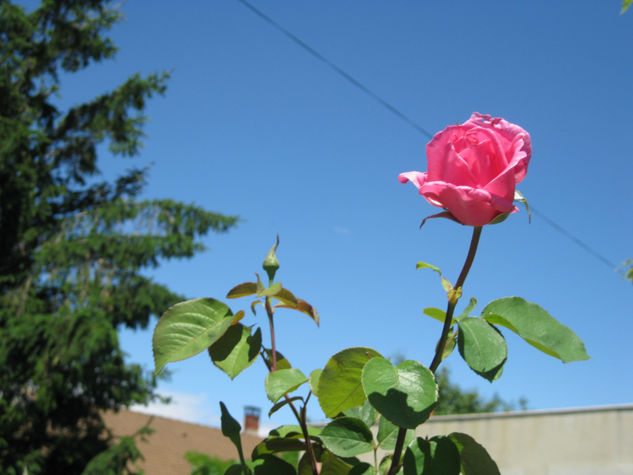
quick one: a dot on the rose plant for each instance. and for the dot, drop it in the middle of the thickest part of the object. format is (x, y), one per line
(473, 170)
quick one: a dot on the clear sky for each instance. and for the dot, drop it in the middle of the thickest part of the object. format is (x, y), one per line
(253, 125)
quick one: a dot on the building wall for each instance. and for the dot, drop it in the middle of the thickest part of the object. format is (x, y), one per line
(592, 441)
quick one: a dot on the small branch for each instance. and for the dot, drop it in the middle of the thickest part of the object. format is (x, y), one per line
(269, 311)
(301, 419)
(472, 250)
(439, 349)
(397, 451)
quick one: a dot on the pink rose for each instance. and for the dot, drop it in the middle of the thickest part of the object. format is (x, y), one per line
(474, 168)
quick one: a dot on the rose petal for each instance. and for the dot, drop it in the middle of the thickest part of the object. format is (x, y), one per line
(503, 186)
(521, 158)
(489, 157)
(417, 178)
(471, 206)
(510, 133)
(437, 148)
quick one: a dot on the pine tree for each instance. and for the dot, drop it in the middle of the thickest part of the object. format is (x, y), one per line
(72, 248)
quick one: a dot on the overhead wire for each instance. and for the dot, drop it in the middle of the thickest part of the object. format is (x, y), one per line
(401, 115)
(393, 109)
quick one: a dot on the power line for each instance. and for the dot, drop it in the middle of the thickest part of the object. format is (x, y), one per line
(338, 70)
(393, 109)
(576, 240)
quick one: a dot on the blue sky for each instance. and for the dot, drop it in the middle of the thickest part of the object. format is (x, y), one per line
(253, 125)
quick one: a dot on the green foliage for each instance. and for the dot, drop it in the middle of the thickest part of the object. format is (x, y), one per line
(189, 328)
(387, 433)
(340, 385)
(430, 457)
(625, 5)
(282, 362)
(314, 381)
(537, 327)
(365, 413)
(403, 394)
(72, 248)
(482, 346)
(474, 458)
(347, 436)
(119, 458)
(445, 283)
(236, 350)
(358, 387)
(282, 382)
(203, 464)
(231, 429)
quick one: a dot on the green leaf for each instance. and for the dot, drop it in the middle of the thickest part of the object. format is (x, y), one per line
(305, 465)
(362, 468)
(270, 291)
(287, 297)
(314, 381)
(365, 413)
(625, 5)
(404, 394)
(333, 465)
(242, 290)
(347, 437)
(430, 457)
(340, 386)
(388, 433)
(237, 317)
(290, 430)
(475, 460)
(236, 350)
(282, 403)
(303, 307)
(188, 328)
(255, 302)
(446, 284)
(385, 463)
(271, 465)
(237, 469)
(449, 346)
(424, 265)
(500, 218)
(518, 196)
(282, 362)
(437, 314)
(231, 429)
(260, 284)
(537, 327)
(469, 308)
(272, 445)
(283, 381)
(482, 346)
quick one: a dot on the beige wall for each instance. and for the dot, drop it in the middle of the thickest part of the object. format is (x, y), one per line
(590, 441)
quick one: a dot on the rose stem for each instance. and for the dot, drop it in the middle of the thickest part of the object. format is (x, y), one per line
(439, 349)
(269, 311)
(273, 367)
